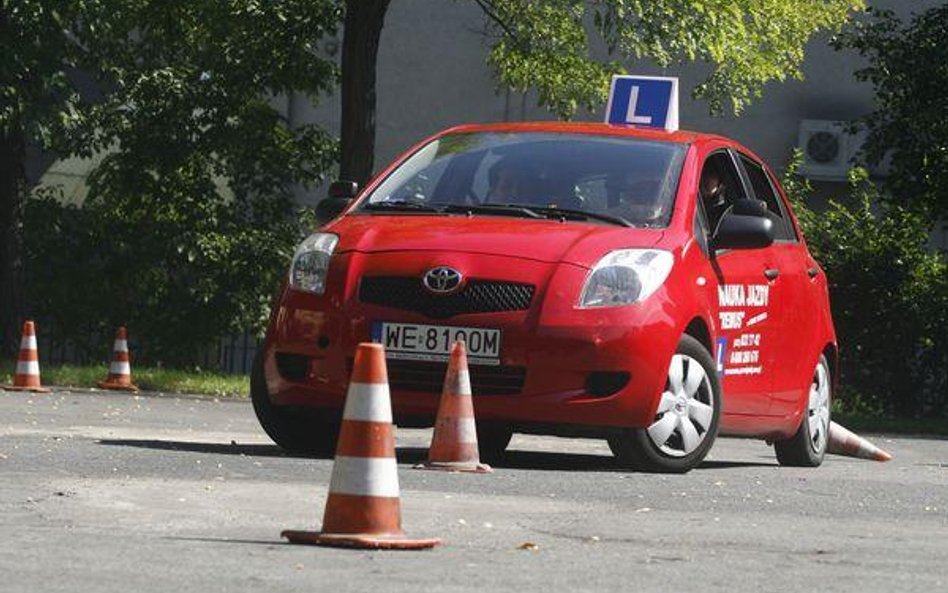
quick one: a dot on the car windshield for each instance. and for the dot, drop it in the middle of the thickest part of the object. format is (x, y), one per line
(611, 179)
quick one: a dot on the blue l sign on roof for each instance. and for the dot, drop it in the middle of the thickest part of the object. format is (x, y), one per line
(644, 101)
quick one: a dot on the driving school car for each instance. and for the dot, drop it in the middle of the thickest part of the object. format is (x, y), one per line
(647, 287)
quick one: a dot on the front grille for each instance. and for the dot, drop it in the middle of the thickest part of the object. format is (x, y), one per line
(428, 377)
(477, 296)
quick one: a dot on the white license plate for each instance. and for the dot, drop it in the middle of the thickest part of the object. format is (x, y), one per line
(413, 341)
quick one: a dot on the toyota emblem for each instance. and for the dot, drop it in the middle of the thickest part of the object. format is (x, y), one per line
(442, 280)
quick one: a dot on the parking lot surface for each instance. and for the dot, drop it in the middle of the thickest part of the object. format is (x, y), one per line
(116, 492)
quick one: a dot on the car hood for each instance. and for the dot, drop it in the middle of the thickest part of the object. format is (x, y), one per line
(551, 241)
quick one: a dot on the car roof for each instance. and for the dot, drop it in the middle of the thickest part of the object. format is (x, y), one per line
(655, 134)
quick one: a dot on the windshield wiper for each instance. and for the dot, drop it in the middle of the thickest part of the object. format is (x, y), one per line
(501, 209)
(571, 214)
(401, 206)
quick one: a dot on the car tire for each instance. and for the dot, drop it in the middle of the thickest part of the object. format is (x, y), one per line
(296, 430)
(492, 441)
(686, 419)
(807, 447)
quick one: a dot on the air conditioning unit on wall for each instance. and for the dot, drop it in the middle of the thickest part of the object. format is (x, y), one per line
(828, 149)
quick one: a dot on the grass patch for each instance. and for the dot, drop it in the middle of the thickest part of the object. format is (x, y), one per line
(202, 382)
(894, 425)
(147, 378)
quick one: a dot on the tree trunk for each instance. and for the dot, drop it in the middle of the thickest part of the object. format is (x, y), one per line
(360, 47)
(12, 195)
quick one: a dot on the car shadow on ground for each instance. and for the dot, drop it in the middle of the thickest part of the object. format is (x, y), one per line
(514, 459)
(232, 448)
(531, 460)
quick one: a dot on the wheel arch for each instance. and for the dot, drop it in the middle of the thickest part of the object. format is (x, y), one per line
(698, 329)
(831, 352)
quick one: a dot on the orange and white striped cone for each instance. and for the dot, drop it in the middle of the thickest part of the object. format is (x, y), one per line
(120, 371)
(844, 442)
(27, 374)
(454, 442)
(363, 509)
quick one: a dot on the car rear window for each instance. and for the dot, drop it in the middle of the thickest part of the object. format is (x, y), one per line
(623, 177)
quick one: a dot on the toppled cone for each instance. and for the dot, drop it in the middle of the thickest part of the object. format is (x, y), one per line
(363, 509)
(454, 443)
(120, 371)
(844, 442)
(27, 374)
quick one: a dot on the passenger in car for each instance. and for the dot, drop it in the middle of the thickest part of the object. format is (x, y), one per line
(631, 192)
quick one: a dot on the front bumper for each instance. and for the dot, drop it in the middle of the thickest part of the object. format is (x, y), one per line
(549, 352)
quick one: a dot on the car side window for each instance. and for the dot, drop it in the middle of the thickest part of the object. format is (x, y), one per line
(719, 187)
(764, 190)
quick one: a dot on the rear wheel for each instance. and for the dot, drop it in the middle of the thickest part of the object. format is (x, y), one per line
(686, 421)
(297, 430)
(808, 446)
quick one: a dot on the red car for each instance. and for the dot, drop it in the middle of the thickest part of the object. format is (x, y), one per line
(647, 287)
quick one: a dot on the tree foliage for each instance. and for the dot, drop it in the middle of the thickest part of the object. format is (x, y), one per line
(889, 296)
(189, 218)
(186, 218)
(567, 50)
(908, 68)
(746, 43)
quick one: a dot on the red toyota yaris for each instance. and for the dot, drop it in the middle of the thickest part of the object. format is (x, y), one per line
(651, 288)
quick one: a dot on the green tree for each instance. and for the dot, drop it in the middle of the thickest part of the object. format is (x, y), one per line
(180, 87)
(35, 92)
(908, 68)
(545, 45)
(889, 295)
(187, 224)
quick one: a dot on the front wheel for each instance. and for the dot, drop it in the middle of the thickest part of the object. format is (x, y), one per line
(492, 441)
(807, 447)
(686, 421)
(296, 430)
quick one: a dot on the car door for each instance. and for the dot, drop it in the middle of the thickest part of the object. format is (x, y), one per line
(745, 341)
(795, 271)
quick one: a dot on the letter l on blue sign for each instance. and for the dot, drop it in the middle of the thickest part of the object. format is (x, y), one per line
(644, 101)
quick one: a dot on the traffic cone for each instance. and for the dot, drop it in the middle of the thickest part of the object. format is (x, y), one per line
(27, 374)
(363, 509)
(844, 442)
(454, 443)
(120, 371)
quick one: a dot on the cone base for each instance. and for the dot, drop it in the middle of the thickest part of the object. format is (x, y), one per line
(362, 541)
(455, 466)
(19, 388)
(117, 386)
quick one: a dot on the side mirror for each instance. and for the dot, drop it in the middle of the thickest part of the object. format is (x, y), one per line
(330, 208)
(343, 189)
(340, 196)
(739, 231)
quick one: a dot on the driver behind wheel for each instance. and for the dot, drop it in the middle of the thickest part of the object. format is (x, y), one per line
(506, 183)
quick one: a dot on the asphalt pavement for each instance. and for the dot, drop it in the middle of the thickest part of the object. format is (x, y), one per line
(115, 492)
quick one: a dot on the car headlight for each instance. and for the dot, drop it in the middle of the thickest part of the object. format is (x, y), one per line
(626, 276)
(311, 262)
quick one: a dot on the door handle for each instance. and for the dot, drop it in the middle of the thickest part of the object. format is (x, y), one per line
(771, 273)
(812, 272)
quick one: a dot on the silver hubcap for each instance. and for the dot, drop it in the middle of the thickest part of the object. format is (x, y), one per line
(686, 409)
(818, 410)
